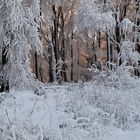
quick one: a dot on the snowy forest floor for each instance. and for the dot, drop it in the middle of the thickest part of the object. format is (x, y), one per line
(105, 109)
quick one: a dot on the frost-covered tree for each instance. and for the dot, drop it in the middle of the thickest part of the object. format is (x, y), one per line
(91, 14)
(111, 17)
(58, 26)
(18, 35)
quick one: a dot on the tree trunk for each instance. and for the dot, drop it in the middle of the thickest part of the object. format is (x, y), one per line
(4, 84)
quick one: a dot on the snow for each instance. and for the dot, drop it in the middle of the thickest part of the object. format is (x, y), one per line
(126, 25)
(72, 112)
(24, 104)
(129, 135)
(132, 135)
(90, 15)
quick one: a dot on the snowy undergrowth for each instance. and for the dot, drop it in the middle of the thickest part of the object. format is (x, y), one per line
(82, 111)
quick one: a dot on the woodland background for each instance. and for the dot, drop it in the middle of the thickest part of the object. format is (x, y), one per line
(73, 44)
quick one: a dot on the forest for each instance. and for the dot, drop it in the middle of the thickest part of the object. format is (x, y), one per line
(69, 69)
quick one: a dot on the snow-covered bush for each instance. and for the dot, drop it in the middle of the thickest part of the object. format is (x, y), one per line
(107, 102)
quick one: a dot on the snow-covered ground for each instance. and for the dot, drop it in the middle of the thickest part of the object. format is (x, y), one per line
(129, 135)
(83, 111)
